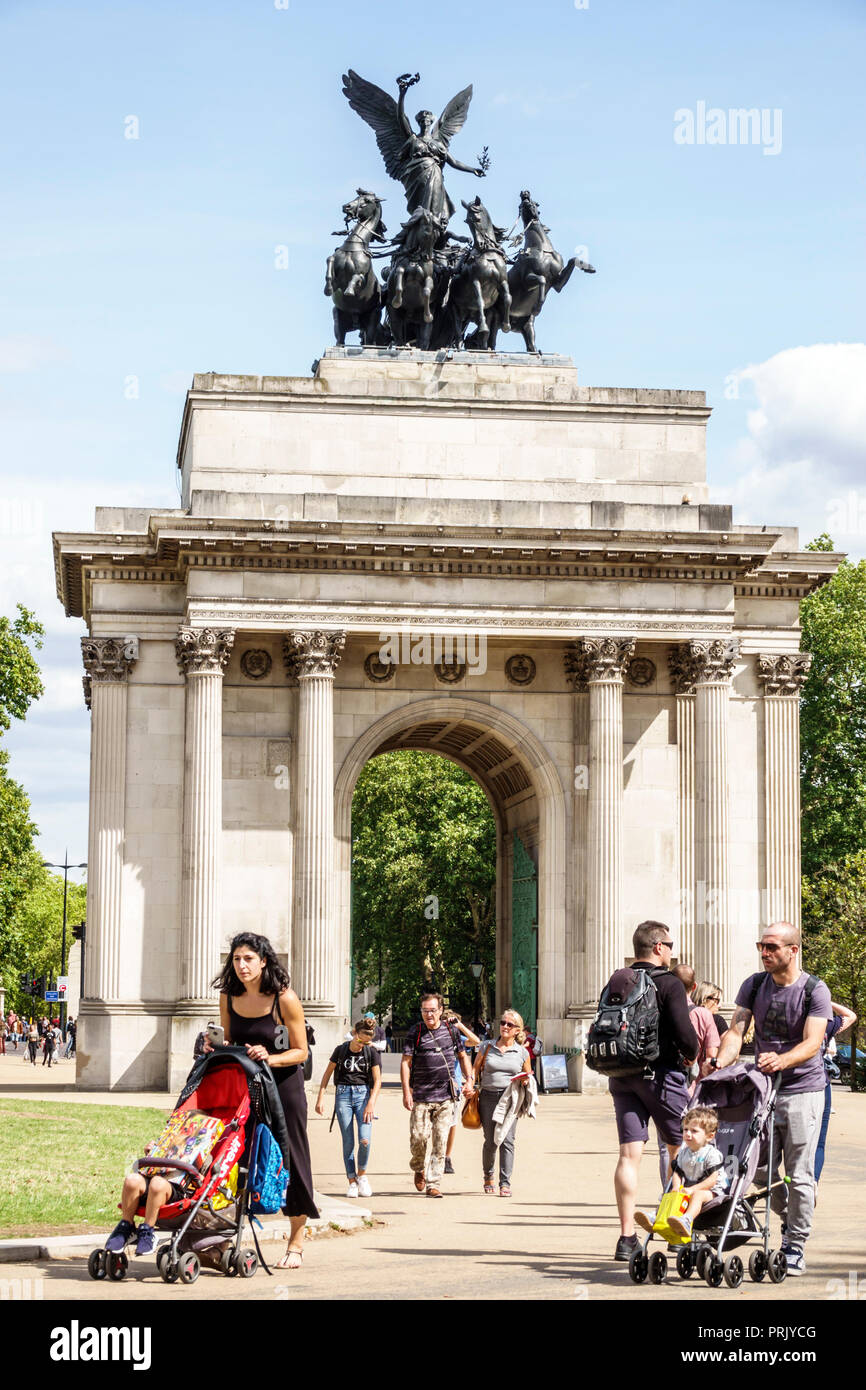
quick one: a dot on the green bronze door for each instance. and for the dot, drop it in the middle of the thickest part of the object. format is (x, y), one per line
(524, 935)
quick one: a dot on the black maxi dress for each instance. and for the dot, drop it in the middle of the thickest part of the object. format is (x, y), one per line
(262, 1032)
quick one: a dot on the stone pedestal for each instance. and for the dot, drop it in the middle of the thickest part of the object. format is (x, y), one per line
(782, 678)
(108, 662)
(319, 974)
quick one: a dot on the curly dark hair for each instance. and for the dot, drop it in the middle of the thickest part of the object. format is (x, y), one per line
(274, 978)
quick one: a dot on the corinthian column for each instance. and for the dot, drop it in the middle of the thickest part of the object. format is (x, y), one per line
(202, 654)
(312, 659)
(782, 678)
(683, 683)
(108, 662)
(710, 664)
(598, 665)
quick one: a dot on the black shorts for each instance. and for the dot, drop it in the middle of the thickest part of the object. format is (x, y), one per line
(177, 1191)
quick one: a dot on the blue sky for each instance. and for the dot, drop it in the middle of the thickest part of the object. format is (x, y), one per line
(720, 267)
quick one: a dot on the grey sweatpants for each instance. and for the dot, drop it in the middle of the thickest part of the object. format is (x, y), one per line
(797, 1126)
(487, 1104)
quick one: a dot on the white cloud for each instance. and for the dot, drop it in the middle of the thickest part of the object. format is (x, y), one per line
(803, 460)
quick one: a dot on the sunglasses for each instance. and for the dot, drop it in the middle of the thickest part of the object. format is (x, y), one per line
(769, 946)
(507, 1023)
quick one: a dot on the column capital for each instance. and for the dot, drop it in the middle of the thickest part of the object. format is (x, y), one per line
(597, 659)
(203, 650)
(315, 653)
(107, 659)
(783, 675)
(700, 661)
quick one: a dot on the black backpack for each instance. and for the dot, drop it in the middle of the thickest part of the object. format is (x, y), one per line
(623, 1038)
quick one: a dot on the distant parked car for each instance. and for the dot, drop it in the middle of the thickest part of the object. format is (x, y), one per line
(843, 1061)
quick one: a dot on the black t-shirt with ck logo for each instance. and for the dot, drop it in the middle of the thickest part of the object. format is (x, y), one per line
(354, 1068)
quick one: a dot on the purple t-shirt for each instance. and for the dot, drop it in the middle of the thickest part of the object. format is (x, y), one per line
(779, 1013)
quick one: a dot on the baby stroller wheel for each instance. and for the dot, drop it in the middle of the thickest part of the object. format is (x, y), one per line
(170, 1271)
(96, 1264)
(117, 1265)
(685, 1262)
(714, 1271)
(733, 1271)
(758, 1265)
(638, 1266)
(704, 1254)
(658, 1268)
(778, 1267)
(190, 1268)
(247, 1263)
(228, 1263)
(162, 1254)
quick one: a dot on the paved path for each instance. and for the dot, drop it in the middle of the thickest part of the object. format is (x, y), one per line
(556, 1234)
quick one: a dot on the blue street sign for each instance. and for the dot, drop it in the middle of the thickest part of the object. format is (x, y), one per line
(51, 996)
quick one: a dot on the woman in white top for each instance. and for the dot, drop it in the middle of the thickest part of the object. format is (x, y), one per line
(496, 1065)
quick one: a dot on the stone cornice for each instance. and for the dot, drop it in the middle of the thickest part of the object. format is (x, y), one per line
(592, 659)
(315, 653)
(203, 651)
(783, 674)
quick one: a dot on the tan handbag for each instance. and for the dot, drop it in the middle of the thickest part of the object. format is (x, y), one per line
(471, 1114)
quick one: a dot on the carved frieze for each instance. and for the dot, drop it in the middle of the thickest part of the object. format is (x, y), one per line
(520, 669)
(641, 671)
(597, 659)
(378, 671)
(783, 675)
(449, 672)
(256, 664)
(203, 651)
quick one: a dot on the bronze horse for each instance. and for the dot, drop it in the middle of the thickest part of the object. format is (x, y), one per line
(411, 285)
(537, 268)
(480, 281)
(350, 279)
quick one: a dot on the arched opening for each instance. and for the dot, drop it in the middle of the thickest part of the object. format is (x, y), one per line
(526, 797)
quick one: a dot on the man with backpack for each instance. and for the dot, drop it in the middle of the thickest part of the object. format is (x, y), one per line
(791, 1010)
(655, 1083)
(429, 1091)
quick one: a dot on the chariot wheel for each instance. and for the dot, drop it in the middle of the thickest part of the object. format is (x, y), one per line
(638, 1266)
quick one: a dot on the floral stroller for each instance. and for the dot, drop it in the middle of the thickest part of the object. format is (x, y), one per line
(205, 1227)
(745, 1100)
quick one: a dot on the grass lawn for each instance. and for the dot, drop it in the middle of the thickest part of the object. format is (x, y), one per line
(62, 1165)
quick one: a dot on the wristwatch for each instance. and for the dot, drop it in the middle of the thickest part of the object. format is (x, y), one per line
(714, 1064)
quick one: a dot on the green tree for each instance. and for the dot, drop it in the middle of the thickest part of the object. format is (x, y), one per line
(833, 718)
(423, 881)
(20, 865)
(834, 921)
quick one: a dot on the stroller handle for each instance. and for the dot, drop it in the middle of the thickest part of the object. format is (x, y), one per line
(174, 1164)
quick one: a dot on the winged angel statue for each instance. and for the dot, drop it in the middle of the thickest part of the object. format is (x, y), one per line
(415, 160)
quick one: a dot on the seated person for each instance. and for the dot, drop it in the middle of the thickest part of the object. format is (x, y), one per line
(157, 1190)
(698, 1170)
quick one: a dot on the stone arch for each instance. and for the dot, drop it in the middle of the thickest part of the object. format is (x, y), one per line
(409, 726)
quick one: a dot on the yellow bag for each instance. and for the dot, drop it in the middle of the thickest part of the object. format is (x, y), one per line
(226, 1192)
(671, 1204)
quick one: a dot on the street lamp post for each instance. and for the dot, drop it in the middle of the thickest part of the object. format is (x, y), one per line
(476, 967)
(65, 866)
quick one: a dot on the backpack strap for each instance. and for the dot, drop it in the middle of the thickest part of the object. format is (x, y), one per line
(812, 982)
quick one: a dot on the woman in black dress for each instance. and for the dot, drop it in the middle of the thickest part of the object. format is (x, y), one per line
(258, 1010)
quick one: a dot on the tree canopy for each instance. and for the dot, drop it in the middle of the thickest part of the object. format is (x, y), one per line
(833, 718)
(423, 881)
(834, 920)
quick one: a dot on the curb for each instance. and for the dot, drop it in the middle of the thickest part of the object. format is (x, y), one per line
(333, 1214)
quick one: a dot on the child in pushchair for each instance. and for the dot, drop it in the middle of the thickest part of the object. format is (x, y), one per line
(710, 1184)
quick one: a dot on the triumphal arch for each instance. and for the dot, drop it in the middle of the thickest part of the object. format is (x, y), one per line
(473, 555)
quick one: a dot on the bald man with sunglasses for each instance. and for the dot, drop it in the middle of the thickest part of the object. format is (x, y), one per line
(791, 1010)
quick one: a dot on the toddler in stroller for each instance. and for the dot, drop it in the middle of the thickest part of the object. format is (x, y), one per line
(721, 1214)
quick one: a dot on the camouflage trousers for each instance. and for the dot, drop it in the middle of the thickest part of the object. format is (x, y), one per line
(429, 1121)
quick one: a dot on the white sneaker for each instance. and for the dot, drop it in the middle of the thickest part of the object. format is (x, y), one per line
(352, 1190)
(364, 1188)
